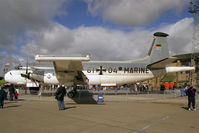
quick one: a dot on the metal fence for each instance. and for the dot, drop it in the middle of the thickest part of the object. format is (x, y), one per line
(122, 95)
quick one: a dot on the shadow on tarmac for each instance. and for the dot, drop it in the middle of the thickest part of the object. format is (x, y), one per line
(66, 108)
(13, 101)
(11, 106)
(84, 97)
(185, 108)
(7, 103)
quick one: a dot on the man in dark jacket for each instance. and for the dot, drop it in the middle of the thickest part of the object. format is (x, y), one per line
(11, 92)
(2, 97)
(191, 97)
(59, 95)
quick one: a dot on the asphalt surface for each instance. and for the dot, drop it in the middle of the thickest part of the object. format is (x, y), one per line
(118, 114)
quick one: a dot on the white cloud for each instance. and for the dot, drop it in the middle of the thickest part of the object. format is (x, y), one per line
(12, 60)
(19, 16)
(180, 39)
(107, 44)
(101, 43)
(132, 12)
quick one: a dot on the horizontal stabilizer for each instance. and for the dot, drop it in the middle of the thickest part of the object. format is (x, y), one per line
(162, 63)
(178, 69)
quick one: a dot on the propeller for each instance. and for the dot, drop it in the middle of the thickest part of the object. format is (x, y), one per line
(27, 74)
(32, 75)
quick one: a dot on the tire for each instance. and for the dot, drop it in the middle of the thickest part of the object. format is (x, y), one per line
(71, 94)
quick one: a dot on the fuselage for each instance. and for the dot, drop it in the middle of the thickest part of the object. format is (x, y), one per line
(116, 73)
(104, 73)
(14, 77)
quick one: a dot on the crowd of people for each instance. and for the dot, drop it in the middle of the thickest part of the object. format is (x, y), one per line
(61, 92)
(13, 94)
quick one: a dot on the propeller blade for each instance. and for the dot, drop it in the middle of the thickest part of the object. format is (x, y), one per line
(27, 67)
(26, 75)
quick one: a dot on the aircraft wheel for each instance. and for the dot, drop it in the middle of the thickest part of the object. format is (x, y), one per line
(71, 94)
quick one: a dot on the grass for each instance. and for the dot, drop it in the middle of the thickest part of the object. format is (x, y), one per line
(2, 81)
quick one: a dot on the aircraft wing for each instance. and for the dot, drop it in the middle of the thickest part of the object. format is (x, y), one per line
(68, 69)
(162, 64)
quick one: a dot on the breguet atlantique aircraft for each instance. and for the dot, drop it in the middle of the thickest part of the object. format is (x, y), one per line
(70, 71)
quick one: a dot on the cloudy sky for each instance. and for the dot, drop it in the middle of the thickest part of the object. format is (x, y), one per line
(105, 29)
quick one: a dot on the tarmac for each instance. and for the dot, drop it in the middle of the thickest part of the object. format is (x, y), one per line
(151, 113)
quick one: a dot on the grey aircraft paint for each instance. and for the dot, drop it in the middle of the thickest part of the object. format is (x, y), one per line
(157, 52)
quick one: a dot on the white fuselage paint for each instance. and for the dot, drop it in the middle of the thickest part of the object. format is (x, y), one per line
(14, 77)
(50, 78)
(94, 78)
(119, 78)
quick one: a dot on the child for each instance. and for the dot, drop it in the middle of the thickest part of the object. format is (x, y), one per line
(16, 95)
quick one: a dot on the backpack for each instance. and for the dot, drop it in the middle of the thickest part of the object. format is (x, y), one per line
(58, 96)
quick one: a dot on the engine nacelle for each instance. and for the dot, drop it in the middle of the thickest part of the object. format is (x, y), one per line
(172, 69)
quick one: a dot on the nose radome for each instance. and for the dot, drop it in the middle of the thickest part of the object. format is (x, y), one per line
(7, 77)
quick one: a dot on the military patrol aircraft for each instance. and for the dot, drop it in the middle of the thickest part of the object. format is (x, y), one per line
(75, 70)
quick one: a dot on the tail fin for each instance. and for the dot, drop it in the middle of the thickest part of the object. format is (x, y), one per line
(159, 48)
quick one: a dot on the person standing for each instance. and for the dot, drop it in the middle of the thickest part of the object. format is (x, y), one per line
(2, 96)
(59, 95)
(16, 95)
(11, 92)
(191, 97)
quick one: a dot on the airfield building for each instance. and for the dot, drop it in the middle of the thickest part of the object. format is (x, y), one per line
(179, 78)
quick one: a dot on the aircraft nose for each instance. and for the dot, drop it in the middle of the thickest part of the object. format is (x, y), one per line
(7, 77)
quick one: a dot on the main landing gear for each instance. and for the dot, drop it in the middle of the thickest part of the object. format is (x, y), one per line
(72, 92)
